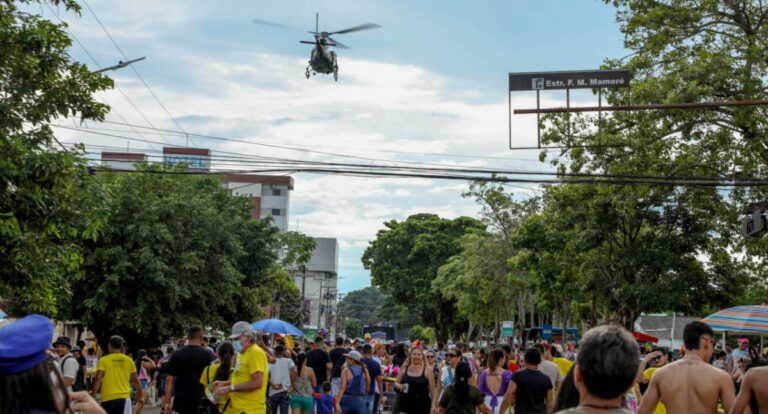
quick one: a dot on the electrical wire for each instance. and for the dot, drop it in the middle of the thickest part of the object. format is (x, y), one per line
(119, 89)
(349, 168)
(133, 68)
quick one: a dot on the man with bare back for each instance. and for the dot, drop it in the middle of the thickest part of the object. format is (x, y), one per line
(691, 385)
(753, 386)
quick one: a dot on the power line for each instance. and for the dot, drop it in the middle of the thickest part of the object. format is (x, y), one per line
(361, 169)
(436, 154)
(132, 67)
(284, 147)
(112, 109)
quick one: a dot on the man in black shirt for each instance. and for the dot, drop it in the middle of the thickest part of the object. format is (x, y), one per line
(530, 390)
(320, 362)
(337, 359)
(183, 375)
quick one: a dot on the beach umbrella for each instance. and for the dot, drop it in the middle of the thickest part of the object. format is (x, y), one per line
(276, 326)
(747, 320)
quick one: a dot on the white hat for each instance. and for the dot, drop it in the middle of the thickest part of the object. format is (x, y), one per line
(354, 355)
(240, 328)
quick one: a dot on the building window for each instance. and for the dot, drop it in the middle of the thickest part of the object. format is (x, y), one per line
(275, 211)
(277, 192)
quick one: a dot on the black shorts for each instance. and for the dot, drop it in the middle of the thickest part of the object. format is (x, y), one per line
(114, 406)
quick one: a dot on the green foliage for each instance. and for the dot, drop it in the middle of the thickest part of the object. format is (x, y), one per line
(363, 305)
(285, 293)
(45, 206)
(353, 328)
(416, 332)
(663, 247)
(297, 248)
(176, 250)
(404, 260)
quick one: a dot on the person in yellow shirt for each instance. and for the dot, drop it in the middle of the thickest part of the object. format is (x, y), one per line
(219, 370)
(656, 360)
(247, 388)
(114, 375)
(563, 364)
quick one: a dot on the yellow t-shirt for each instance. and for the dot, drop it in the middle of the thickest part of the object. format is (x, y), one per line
(210, 373)
(564, 365)
(660, 407)
(116, 382)
(253, 360)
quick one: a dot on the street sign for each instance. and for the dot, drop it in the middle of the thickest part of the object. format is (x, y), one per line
(507, 329)
(583, 79)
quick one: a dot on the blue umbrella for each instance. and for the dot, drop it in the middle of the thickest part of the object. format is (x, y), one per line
(276, 326)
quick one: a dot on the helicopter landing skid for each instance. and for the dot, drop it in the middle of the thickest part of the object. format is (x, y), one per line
(307, 72)
(336, 73)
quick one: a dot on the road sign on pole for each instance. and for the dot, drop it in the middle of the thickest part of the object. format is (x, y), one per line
(507, 329)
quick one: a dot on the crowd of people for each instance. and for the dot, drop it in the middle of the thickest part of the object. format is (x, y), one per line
(607, 372)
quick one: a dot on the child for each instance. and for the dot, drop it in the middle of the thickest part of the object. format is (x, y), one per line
(325, 401)
(461, 396)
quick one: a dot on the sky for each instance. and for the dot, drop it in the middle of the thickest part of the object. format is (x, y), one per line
(429, 86)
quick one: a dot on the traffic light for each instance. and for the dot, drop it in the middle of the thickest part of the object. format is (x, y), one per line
(753, 225)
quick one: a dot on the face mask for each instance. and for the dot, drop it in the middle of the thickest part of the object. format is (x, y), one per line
(238, 346)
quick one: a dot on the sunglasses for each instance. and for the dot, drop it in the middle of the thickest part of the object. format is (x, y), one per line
(430, 356)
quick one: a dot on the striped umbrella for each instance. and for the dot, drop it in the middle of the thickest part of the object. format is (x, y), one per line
(747, 320)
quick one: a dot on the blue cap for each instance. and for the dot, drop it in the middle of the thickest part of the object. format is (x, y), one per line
(23, 343)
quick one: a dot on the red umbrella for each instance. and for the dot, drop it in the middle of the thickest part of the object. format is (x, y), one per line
(644, 337)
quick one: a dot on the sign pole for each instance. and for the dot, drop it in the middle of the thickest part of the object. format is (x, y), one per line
(538, 119)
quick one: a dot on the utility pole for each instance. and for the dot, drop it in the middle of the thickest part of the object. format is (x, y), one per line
(330, 297)
(340, 315)
(320, 302)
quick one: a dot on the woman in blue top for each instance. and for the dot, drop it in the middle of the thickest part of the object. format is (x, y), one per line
(355, 383)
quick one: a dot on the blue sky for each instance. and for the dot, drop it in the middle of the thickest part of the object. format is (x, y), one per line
(432, 79)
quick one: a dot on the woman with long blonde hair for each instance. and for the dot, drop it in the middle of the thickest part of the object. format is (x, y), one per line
(415, 385)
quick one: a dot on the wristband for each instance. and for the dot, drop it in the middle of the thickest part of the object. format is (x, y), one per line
(231, 387)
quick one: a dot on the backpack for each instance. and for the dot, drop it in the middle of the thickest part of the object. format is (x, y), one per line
(207, 406)
(79, 384)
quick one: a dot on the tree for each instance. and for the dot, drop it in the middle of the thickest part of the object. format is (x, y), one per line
(353, 328)
(45, 207)
(284, 294)
(296, 250)
(176, 250)
(671, 245)
(363, 304)
(404, 260)
(489, 257)
(478, 280)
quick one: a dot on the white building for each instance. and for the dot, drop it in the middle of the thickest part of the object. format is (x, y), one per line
(125, 161)
(270, 195)
(318, 286)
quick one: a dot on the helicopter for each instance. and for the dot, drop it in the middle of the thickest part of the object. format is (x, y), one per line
(322, 59)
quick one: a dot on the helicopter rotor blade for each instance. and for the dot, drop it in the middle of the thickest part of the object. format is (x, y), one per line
(338, 44)
(277, 25)
(365, 26)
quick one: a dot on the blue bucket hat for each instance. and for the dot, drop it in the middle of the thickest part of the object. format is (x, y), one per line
(23, 343)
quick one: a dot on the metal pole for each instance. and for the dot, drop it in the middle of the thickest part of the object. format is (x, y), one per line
(538, 119)
(320, 302)
(568, 114)
(599, 110)
(509, 96)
